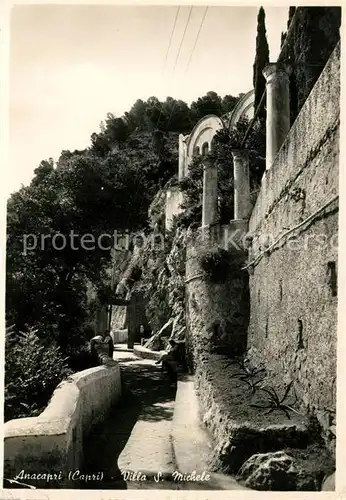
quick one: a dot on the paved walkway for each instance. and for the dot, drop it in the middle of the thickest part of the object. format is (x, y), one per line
(138, 435)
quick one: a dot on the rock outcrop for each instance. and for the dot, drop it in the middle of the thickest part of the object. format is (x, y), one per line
(276, 471)
(155, 342)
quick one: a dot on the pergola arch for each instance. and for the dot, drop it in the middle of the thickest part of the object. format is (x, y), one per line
(202, 133)
(205, 129)
(243, 108)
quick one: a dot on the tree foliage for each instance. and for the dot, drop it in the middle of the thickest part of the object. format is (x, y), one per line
(261, 58)
(32, 373)
(106, 187)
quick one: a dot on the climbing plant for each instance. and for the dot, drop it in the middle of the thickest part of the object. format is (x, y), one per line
(215, 263)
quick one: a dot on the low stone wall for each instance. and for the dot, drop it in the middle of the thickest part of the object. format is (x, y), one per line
(52, 443)
(240, 430)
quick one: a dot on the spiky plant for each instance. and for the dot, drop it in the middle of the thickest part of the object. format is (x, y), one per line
(275, 402)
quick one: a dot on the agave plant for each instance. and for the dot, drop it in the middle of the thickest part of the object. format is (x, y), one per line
(253, 383)
(277, 403)
(248, 373)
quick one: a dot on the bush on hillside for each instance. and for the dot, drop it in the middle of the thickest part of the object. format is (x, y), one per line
(32, 372)
(218, 263)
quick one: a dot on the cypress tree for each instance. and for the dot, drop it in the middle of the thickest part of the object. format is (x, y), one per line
(261, 58)
(291, 12)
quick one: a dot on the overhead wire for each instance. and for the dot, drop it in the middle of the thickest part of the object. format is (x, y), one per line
(171, 38)
(166, 57)
(183, 38)
(164, 66)
(163, 69)
(177, 58)
(193, 48)
(196, 39)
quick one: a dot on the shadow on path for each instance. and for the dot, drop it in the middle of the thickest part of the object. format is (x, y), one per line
(144, 389)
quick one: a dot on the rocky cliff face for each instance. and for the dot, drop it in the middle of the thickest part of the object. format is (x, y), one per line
(156, 270)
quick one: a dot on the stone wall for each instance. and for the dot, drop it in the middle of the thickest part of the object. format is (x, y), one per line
(174, 198)
(119, 336)
(293, 279)
(119, 320)
(211, 302)
(53, 441)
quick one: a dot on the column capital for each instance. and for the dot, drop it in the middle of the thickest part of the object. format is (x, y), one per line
(242, 154)
(273, 70)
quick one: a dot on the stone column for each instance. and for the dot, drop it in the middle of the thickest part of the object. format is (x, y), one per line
(242, 204)
(135, 318)
(209, 209)
(278, 108)
(132, 322)
(101, 320)
(182, 157)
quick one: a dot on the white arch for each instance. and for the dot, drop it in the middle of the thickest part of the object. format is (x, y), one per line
(203, 131)
(206, 128)
(244, 107)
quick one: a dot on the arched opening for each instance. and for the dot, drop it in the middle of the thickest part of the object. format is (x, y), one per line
(205, 148)
(196, 151)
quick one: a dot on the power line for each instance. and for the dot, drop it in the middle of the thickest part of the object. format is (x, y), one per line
(176, 59)
(196, 40)
(164, 64)
(171, 38)
(183, 37)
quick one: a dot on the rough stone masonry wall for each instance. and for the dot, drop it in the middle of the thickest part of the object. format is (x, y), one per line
(293, 321)
(174, 198)
(209, 303)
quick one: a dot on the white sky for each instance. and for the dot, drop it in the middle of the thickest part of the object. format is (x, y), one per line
(71, 64)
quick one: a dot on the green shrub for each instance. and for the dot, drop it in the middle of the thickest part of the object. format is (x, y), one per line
(80, 358)
(218, 263)
(135, 273)
(32, 372)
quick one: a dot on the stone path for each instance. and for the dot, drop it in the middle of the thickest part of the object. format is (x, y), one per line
(137, 435)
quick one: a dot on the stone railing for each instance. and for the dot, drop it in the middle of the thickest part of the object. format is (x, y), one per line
(52, 442)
